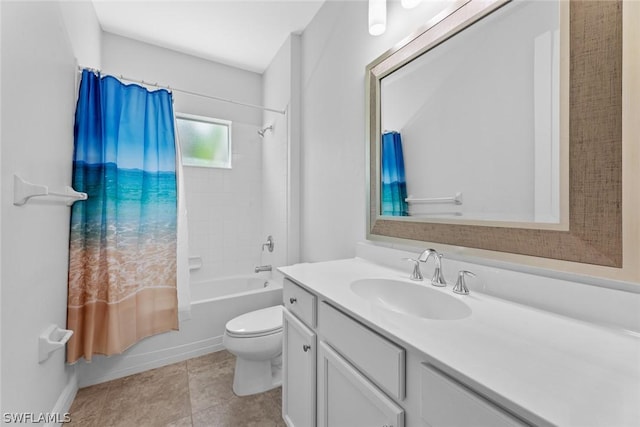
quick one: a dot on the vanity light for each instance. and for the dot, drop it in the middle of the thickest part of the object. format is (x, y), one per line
(377, 17)
(410, 4)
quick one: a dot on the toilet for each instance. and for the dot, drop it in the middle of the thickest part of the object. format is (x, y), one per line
(255, 338)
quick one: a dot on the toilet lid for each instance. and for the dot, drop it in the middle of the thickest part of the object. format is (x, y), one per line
(259, 322)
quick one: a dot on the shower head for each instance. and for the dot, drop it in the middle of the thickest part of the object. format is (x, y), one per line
(262, 131)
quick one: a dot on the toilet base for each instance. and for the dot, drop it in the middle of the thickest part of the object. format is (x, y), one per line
(256, 376)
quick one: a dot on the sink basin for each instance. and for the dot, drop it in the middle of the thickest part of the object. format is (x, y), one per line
(414, 299)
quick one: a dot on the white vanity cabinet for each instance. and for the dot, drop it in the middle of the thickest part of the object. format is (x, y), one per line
(389, 356)
(299, 357)
(338, 372)
(354, 366)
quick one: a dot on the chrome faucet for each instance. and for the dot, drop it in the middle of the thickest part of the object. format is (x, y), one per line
(416, 274)
(263, 268)
(438, 278)
(461, 286)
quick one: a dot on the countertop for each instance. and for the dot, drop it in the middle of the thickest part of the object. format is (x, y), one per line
(547, 368)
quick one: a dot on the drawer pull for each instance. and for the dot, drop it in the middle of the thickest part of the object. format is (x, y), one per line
(292, 300)
(306, 347)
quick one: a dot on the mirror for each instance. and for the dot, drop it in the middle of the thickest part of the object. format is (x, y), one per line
(478, 117)
(463, 77)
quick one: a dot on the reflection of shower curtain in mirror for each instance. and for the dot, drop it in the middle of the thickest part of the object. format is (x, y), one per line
(394, 186)
(122, 265)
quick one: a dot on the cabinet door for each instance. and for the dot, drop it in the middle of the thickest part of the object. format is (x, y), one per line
(299, 373)
(348, 399)
(445, 402)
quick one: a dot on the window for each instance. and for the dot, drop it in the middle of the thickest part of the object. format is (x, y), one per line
(204, 141)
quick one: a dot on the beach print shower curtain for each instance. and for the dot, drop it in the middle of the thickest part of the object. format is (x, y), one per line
(394, 186)
(122, 266)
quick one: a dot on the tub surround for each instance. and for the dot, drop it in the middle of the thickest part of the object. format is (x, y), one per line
(544, 367)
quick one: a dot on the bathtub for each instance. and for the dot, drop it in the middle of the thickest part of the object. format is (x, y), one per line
(213, 304)
(234, 286)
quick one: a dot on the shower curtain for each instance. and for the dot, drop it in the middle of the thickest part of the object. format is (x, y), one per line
(122, 266)
(394, 186)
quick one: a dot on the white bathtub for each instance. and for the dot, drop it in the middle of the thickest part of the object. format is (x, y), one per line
(213, 304)
(226, 287)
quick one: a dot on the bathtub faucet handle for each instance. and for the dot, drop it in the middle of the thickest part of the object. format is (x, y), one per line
(269, 244)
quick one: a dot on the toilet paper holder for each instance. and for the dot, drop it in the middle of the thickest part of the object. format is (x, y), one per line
(51, 339)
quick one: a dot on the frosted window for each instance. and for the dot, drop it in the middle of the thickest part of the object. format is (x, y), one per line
(204, 142)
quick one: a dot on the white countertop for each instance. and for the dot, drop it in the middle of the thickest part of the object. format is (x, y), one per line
(548, 368)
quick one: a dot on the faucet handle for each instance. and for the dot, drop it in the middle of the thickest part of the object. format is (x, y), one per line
(461, 285)
(416, 274)
(269, 244)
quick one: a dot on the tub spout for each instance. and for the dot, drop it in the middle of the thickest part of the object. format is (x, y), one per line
(263, 268)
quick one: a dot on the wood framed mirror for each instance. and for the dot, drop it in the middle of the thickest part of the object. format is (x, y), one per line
(592, 230)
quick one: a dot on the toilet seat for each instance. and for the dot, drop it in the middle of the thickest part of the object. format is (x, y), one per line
(266, 321)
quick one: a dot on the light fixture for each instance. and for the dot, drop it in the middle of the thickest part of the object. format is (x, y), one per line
(377, 17)
(410, 4)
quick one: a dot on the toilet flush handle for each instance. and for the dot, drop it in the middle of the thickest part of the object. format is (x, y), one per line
(292, 300)
(306, 347)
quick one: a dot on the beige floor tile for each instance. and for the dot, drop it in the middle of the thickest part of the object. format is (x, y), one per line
(151, 398)
(197, 392)
(88, 405)
(182, 422)
(249, 411)
(211, 384)
(276, 395)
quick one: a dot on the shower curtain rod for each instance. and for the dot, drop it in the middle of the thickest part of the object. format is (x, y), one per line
(188, 92)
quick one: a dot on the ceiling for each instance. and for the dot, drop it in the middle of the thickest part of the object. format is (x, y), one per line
(242, 33)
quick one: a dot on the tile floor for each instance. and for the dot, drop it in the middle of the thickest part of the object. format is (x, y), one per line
(197, 392)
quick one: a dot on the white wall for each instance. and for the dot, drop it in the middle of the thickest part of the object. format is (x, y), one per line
(84, 32)
(281, 156)
(224, 206)
(336, 48)
(38, 103)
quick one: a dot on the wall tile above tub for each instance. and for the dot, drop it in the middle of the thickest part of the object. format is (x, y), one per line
(224, 210)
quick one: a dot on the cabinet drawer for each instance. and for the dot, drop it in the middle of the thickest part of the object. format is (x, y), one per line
(377, 357)
(300, 302)
(445, 402)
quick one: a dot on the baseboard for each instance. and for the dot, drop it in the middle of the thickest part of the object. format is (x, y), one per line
(107, 369)
(64, 402)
